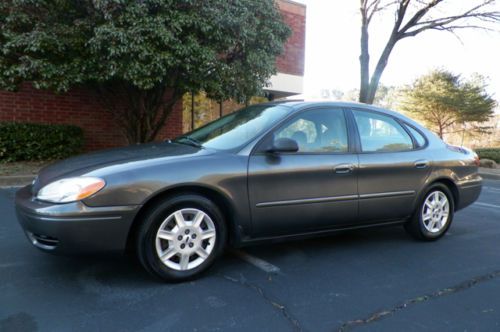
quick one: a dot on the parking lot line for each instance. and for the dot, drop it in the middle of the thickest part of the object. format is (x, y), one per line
(487, 205)
(257, 262)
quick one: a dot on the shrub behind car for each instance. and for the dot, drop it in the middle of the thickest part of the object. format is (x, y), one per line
(489, 153)
(33, 141)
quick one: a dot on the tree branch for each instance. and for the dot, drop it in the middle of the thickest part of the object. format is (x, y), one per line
(419, 14)
(417, 23)
(443, 23)
(165, 112)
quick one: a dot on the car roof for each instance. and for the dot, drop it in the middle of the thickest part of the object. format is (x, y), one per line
(301, 104)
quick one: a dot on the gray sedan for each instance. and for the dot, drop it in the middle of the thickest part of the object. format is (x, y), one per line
(268, 172)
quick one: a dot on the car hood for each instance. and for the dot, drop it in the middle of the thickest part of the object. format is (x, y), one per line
(86, 163)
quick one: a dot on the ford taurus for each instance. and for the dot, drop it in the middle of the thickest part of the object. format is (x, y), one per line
(268, 172)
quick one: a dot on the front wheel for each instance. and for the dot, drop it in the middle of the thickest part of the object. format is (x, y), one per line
(181, 237)
(434, 214)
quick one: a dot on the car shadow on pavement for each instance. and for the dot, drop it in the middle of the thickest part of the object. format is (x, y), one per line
(98, 271)
(122, 269)
(353, 240)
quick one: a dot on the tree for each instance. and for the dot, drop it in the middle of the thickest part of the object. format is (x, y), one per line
(386, 96)
(411, 18)
(141, 57)
(442, 100)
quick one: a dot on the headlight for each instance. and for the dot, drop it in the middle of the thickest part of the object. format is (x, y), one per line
(70, 189)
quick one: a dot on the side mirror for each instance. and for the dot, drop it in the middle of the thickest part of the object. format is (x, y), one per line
(284, 145)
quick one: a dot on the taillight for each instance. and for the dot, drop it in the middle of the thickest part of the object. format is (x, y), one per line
(476, 159)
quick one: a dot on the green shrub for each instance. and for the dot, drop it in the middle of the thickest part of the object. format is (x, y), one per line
(489, 153)
(32, 141)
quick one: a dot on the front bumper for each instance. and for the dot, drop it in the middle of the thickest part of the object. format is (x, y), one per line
(73, 227)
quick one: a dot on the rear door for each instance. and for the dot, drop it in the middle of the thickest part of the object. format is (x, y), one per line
(392, 167)
(312, 189)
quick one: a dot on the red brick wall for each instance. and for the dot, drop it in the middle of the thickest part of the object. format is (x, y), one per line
(78, 107)
(292, 60)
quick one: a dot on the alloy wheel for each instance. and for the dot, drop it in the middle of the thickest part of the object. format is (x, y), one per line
(435, 211)
(185, 239)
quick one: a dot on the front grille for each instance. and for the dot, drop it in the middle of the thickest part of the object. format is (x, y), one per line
(43, 241)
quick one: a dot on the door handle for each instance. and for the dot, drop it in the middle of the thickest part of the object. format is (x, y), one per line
(421, 163)
(344, 168)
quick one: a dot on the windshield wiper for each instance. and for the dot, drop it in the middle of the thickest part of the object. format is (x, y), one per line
(189, 140)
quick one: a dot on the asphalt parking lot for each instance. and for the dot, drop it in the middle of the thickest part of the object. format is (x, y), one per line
(369, 280)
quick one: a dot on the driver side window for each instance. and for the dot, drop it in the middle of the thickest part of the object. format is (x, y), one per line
(302, 131)
(317, 131)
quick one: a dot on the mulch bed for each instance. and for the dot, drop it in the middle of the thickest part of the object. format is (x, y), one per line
(22, 168)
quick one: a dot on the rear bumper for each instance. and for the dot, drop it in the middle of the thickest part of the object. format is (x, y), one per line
(468, 192)
(73, 227)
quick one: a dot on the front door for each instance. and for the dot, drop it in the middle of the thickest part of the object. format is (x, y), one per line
(312, 189)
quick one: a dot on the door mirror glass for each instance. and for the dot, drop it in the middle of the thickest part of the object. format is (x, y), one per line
(284, 145)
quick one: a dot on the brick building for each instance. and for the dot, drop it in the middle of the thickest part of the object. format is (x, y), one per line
(80, 107)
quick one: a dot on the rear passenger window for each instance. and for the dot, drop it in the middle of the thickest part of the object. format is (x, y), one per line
(380, 133)
(417, 135)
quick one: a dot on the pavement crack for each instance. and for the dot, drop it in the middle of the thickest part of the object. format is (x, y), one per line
(378, 315)
(278, 306)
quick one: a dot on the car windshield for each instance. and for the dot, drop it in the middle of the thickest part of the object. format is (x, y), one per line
(236, 129)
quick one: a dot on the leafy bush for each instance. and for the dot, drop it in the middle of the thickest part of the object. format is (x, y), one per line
(32, 141)
(489, 153)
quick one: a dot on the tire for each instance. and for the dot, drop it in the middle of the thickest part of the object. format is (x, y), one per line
(436, 223)
(177, 218)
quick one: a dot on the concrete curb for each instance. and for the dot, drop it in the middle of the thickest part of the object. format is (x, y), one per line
(487, 173)
(16, 180)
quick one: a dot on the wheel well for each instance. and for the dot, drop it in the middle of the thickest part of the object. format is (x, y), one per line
(216, 197)
(452, 187)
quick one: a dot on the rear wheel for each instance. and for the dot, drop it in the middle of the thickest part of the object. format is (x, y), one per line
(434, 214)
(181, 237)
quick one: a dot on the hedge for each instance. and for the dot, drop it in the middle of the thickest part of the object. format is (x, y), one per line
(489, 153)
(32, 141)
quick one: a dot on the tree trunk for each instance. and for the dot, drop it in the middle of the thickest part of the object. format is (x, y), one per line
(140, 114)
(379, 70)
(364, 61)
(419, 21)
(192, 110)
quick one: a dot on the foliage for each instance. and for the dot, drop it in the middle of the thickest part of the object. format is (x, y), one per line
(442, 99)
(386, 96)
(205, 110)
(489, 153)
(141, 56)
(411, 18)
(334, 94)
(31, 141)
